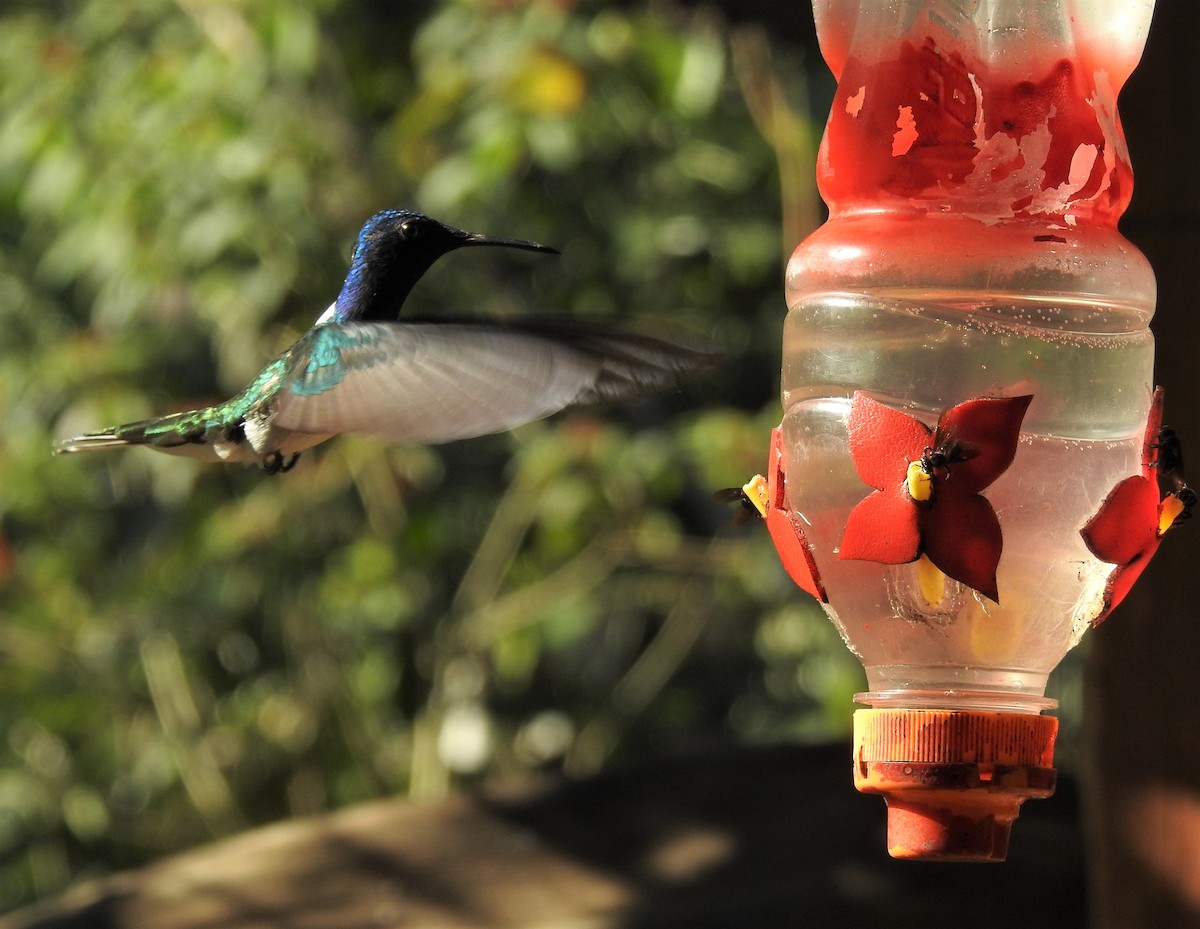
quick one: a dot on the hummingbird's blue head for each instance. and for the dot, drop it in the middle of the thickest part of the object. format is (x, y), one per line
(394, 248)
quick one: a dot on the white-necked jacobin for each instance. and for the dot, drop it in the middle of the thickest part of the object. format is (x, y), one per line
(359, 370)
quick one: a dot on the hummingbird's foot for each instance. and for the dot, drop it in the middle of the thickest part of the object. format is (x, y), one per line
(274, 463)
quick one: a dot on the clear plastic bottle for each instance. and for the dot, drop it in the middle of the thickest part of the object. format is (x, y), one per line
(975, 169)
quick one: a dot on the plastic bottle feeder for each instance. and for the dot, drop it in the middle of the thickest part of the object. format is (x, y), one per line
(970, 471)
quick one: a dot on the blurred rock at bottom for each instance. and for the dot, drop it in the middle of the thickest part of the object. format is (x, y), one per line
(754, 837)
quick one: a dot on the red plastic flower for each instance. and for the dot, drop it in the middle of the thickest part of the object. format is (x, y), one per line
(927, 486)
(786, 532)
(1129, 526)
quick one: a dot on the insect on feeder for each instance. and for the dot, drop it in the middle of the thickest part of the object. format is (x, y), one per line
(971, 470)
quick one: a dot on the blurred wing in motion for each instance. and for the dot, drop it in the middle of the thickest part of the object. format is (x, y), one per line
(430, 383)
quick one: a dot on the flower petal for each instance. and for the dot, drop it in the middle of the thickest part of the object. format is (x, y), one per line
(1125, 530)
(1153, 427)
(883, 528)
(961, 535)
(1122, 579)
(883, 440)
(990, 427)
(794, 552)
(793, 547)
(1126, 523)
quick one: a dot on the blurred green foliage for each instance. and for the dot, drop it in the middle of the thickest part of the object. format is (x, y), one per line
(188, 649)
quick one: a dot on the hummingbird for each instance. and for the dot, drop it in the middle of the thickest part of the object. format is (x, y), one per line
(359, 369)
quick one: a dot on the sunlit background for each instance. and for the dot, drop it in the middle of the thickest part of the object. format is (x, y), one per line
(188, 650)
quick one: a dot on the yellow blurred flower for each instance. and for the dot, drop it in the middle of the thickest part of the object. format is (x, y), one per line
(548, 84)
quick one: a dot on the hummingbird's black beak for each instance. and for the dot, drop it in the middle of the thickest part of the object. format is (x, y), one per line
(471, 238)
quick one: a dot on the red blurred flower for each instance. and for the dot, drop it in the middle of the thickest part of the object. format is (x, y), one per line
(927, 486)
(1129, 526)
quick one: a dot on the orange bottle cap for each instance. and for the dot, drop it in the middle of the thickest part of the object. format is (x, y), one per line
(954, 780)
